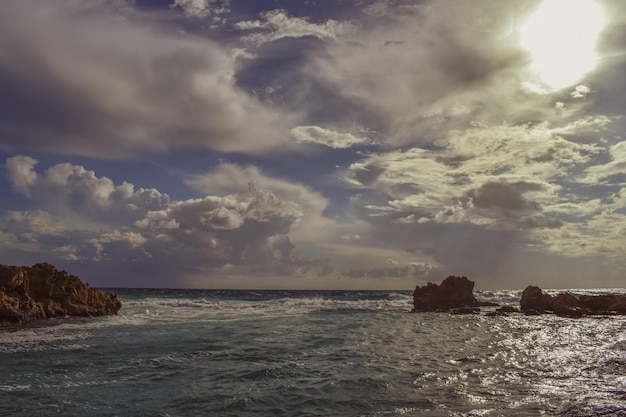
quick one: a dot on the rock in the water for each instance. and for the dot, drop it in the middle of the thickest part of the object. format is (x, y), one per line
(42, 291)
(599, 302)
(566, 305)
(535, 301)
(452, 293)
(619, 306)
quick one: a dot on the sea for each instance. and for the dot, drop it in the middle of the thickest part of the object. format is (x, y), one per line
(311, 353)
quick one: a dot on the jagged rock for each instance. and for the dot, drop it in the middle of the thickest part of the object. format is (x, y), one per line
(619, 306)
(599, 302)
(567, 305)
(42, 291)
(452, 293)
(534, 299)
(570, 312)
(565, 300)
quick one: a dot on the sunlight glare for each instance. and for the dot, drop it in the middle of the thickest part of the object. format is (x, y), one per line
(561, 36)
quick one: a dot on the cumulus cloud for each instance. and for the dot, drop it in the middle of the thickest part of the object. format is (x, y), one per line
(581, 91)
(234, 179)
(21, 173)
(326, 137)
(82, 216)
(278, 24)
(78, 196)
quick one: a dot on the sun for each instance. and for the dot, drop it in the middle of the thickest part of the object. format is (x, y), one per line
(561, 37)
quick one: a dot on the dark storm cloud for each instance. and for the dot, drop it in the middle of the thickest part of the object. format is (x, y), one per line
(88, 78)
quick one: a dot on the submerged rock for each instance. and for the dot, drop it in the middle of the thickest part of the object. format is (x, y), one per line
(502, 311)
(452, 293)
(42, 291)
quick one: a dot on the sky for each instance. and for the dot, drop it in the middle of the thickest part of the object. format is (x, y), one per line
(315, 144)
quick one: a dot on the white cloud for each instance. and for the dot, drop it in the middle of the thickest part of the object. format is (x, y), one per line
(277, 24)
(580, 91)
(82, 216)
(21, 174)
(77, 196)
(616, 166)
(202, 8)
(326, 137)
(229, 178)
(585, 126)
(504, 179)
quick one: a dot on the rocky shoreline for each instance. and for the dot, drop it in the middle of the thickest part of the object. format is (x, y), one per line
(42, 292)
(455, 295)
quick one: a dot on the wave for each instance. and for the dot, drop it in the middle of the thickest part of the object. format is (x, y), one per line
(211, 305)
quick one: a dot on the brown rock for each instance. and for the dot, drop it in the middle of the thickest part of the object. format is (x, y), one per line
(503, 311)
(534, 299)
(619, 305)
(507, 309)
(465, 310)
(570, 312)
(453, 292)
(565, 300)
(598, 302)
(567, 305)
(42, 291)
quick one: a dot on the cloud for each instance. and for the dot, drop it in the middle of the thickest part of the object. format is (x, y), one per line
(452, 156)
(73, 75)
(616, 166)
(504, 189)
(77, 196)
(202, 8)
(234, 179)
(470, 68)
(326, 137)
(278, 24)
(82, 217)
(581, 91)
(21, 173)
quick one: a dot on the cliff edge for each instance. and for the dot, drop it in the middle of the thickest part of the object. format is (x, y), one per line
(42, 291)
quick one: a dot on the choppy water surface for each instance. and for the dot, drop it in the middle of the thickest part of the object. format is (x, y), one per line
(221, 353)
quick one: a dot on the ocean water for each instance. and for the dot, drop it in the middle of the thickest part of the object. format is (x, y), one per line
(311, 353)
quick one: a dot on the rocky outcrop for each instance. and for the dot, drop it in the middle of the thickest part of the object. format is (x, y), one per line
(535, 301)
(42, 291)
(454, 293)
